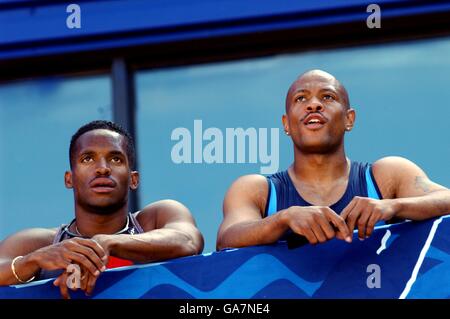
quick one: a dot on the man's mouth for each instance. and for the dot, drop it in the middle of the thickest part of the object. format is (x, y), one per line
(102, 185)
(314, 121)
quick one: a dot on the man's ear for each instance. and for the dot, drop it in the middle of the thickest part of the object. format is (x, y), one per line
(68, 179)
(285, 121)
(350, 119)
(134, 180)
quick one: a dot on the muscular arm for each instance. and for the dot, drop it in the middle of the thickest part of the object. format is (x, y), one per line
(170, 233)
(413, 194)
(244, 225)
(22, 244)
(243, 207)
(38, 251)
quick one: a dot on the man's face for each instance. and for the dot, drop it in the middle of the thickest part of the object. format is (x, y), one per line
(317, 115)
(101, 175)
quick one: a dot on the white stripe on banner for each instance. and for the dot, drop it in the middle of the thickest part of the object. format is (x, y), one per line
(420, 260)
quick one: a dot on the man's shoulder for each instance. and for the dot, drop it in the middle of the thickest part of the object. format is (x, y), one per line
(254, 183)
(249, 183)
(390, 171)
(248, 190)
(392, 164)
(251, 179)
(150, 216)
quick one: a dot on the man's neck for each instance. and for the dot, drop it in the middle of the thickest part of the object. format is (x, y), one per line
(320, 168)
(89, 224)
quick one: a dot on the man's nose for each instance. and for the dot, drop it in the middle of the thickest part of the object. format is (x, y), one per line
(314, 105)
(103, 168)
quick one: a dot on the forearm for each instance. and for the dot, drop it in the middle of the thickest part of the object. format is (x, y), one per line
(25, 269)
(423, 207)
(159, 244)
(259, 232)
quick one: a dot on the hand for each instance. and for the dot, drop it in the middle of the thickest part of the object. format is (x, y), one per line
(366, 212)
(104, 241)
(88, 254)
(317, 223)
(85, 252)
(86, 283)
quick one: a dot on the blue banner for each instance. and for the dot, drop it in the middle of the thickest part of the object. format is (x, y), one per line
(407, 260)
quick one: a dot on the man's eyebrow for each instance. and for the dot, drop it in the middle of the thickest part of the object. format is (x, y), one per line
(332, 89)
(300, 91)
(327, 89)
(91, 152)
(87, 152)
(117, 153)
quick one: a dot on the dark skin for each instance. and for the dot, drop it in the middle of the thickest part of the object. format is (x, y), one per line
(100, 179)
(317, 118)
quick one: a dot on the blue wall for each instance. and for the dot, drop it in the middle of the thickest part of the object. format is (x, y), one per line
(407, 260)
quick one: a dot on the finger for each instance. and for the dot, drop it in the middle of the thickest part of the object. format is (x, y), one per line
(308, 233)
(348, 208)
(374, 218)
(56, 282)
(91, 285)
(84, 279)
(340, 236)
(89, 253)
(317, 230)
(101, 253)
(362, 223)
(63, 287)
(340, 224)
(64, 291)
(326, 227)
(353, 216)
(83, 261)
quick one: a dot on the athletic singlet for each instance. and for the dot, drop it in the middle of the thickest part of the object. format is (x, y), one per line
(132, 227)
(283, 194)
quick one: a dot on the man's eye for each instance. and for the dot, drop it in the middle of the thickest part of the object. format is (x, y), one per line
(116, 160)
(86, 159)
(300, 98)
(328, 97)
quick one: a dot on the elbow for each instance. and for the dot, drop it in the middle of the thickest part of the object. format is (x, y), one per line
(225, 244)
(219, 245)
(220, 241)
(189, 249)
(223, 241)
(192, 246)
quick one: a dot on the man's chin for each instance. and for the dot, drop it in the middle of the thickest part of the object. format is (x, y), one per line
(105, 207)
(318, 147)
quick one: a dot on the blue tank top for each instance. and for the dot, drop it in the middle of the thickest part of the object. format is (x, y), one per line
(132, 227)
(283, 194)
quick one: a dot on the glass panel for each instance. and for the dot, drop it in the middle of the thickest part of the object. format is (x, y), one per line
(399, 92)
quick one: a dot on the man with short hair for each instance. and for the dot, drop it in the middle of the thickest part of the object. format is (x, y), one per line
(103, 234)
(324, 194)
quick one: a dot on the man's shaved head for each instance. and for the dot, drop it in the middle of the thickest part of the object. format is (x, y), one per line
(315, 75)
